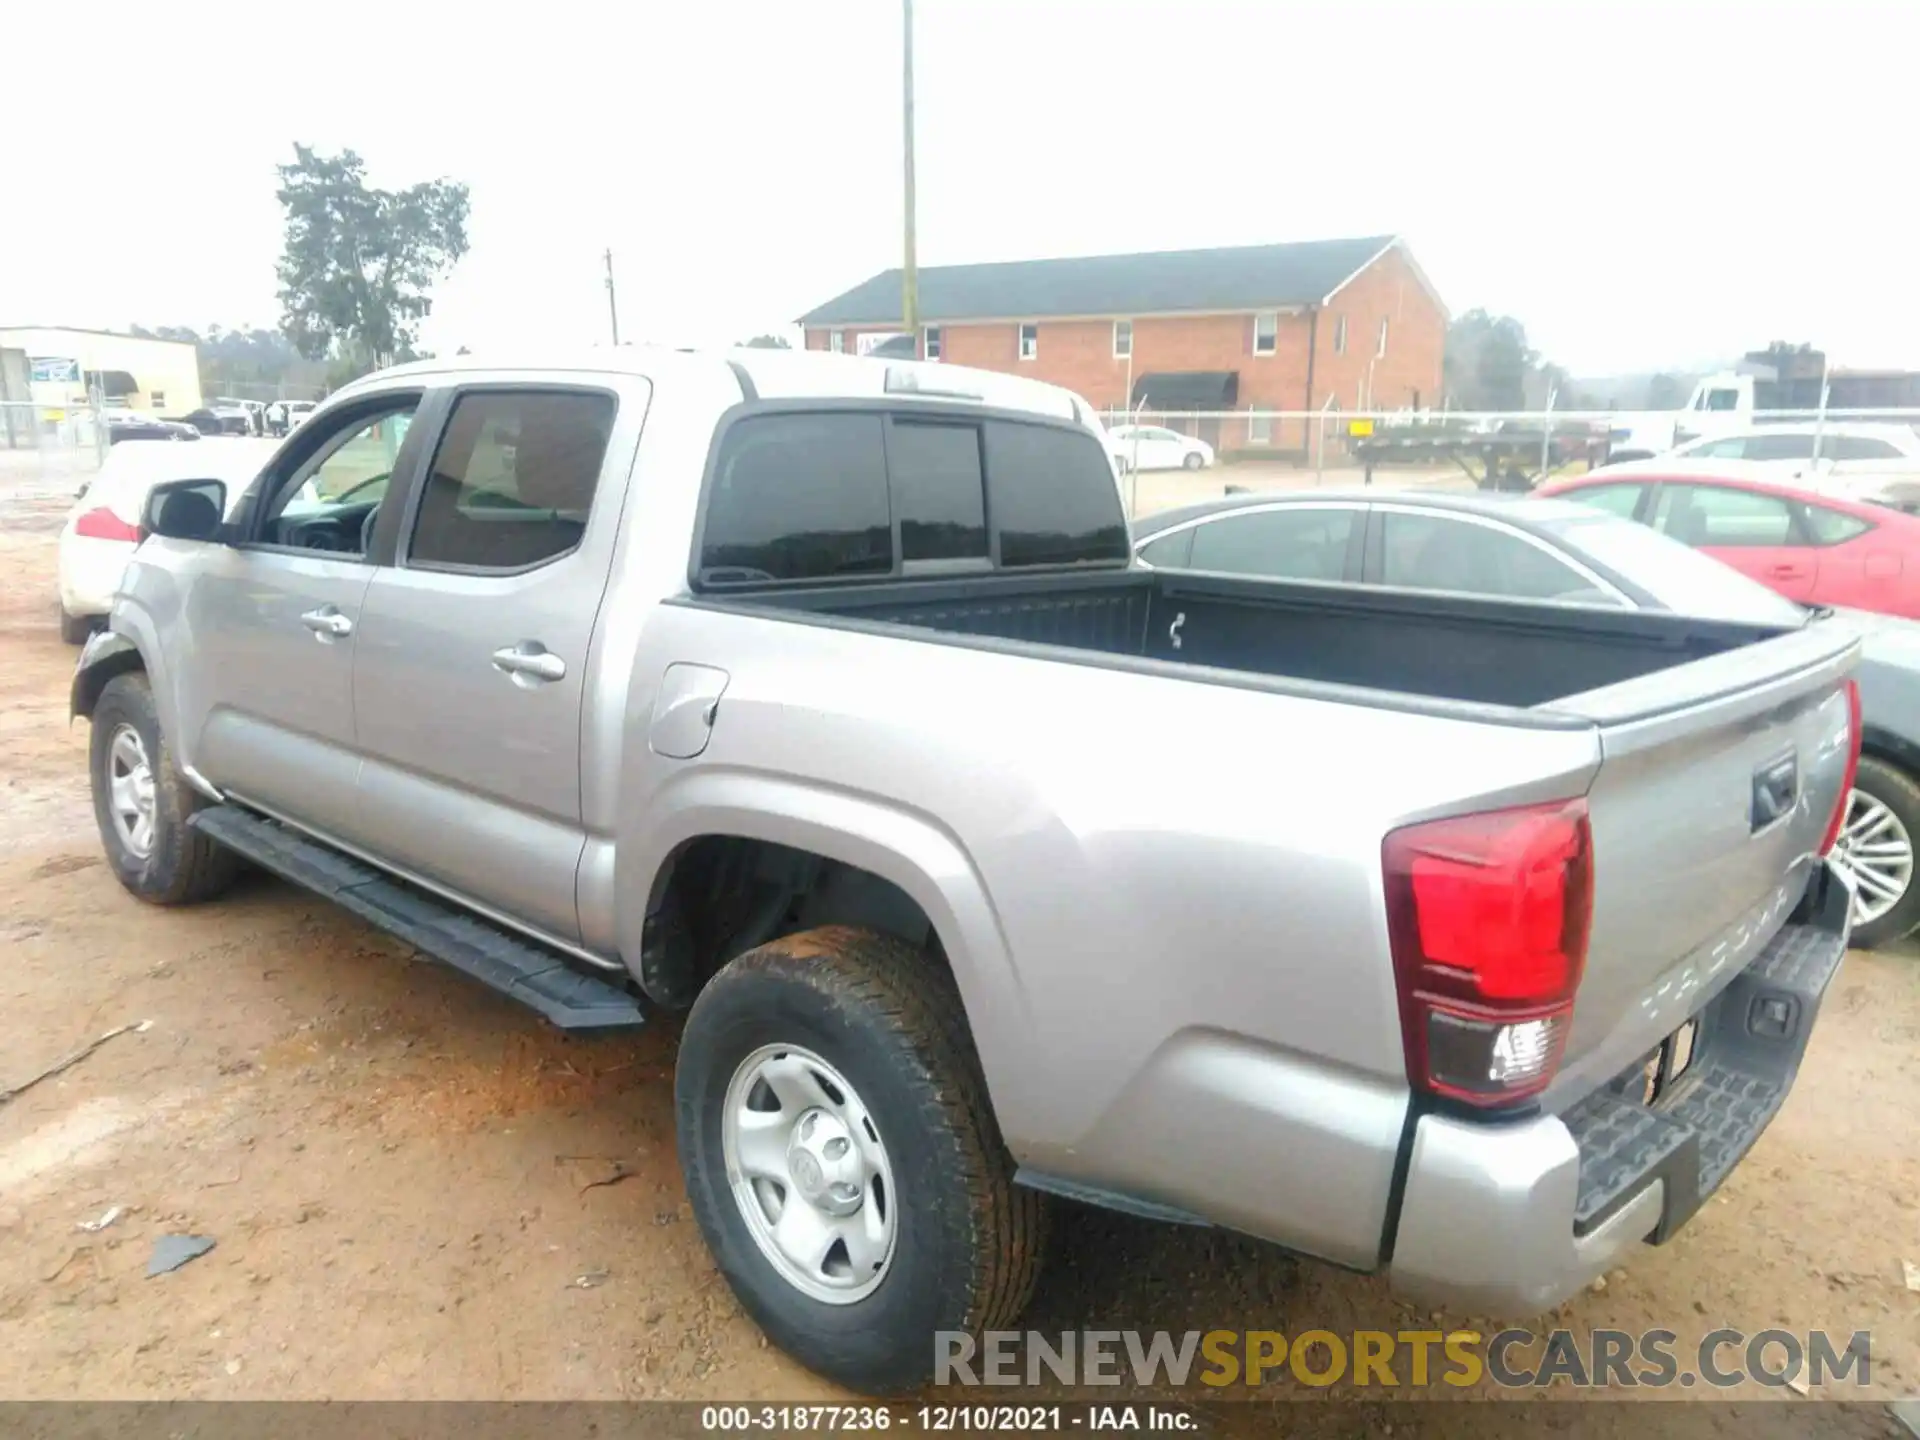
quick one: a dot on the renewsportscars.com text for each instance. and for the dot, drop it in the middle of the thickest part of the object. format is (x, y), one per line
(1413, 1359)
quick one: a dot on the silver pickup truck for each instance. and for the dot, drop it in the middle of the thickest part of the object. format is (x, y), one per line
(1468, 940)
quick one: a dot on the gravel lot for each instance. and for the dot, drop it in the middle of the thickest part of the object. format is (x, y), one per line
(407, 1177)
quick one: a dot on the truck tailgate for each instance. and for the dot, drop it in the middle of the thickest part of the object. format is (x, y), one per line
(1717, 783)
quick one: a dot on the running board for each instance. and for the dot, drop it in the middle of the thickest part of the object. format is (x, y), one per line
(520, 969)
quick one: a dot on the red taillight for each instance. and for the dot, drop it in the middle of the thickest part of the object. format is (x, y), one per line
(102, 524)
(1852, 771)
(1488, 916)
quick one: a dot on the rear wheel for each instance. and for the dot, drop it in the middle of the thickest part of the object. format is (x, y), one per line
(843, 1160)
(74, 629)
(1876, 850)
(142, 803)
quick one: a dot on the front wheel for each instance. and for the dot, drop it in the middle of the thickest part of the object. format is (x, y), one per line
(842, 1157)
(141, 803)
(1194, 460)
(1876, 849)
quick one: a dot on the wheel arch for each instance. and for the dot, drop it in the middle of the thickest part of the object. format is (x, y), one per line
(108, 654)
(871, 850)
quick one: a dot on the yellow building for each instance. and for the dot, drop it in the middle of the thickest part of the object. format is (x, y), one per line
(158, 375)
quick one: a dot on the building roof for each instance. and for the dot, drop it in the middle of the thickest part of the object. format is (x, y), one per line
(1237, 278)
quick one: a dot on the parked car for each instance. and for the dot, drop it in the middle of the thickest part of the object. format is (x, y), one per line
(236, 417)
(1570, 553)
(1853, 457)
(1154, 447)
(298, 411)
(103, 526)
(140, 425)
(1813, 545)
(806, 695)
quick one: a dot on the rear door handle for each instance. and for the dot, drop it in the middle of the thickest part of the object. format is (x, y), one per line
(529, 663)
(327, 623)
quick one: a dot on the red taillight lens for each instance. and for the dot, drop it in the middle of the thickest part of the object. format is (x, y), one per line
(1852, 771)
(1489, 916)
(102, 524)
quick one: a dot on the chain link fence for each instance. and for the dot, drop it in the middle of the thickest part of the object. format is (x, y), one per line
(52, 443)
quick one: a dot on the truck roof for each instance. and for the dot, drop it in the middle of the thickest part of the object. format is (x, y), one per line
(775, 375)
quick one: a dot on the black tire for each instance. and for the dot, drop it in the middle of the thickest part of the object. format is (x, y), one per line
(969, 1242)
(181, 866)
(1194, 460)
(1895, 789)
(74, 629)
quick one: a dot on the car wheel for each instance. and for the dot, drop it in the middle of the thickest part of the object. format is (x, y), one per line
(74, 629)
(1876, 850)
(843, 1160)
(1194, 460)
(141, 803)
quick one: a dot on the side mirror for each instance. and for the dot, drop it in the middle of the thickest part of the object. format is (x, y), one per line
(185, 510)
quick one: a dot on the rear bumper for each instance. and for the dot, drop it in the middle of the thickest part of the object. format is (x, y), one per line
(89, 572)
(1513, 1218)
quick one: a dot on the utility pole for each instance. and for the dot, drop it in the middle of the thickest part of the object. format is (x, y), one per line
(910, 274)
(613, 310)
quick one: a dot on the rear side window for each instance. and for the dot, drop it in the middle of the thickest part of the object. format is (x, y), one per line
(512, 480)
(938, 490)
(1053, 497)
(1434, 552)
(1858, 447)
(799, 497)
(1832, 527)
(1169, 552)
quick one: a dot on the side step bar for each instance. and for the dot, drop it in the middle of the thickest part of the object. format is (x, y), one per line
(518, 968)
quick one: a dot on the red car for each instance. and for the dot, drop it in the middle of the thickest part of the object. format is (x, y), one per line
(1810, 545)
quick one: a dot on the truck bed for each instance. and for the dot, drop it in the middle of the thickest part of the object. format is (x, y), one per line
(1440, 647)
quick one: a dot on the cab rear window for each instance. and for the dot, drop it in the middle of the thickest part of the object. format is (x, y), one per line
(810, 496)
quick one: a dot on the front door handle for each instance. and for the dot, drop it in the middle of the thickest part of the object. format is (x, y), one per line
(529, 663)
(327, 623)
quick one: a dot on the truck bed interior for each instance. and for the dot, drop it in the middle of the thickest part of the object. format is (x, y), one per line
(1443, 647)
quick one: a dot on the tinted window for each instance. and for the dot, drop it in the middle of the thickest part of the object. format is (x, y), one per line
(1711, 515)
(1777, 447)
(1432, 552)
(1291, 544)
(1831, 527)
(1618, 500)
(1169, 552)
(1053, 496)
(937, 491)
(799, 497)
(512, 480)
(1721, 400)
(1858, 447)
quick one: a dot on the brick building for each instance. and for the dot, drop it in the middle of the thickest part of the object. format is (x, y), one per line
(1351, 323)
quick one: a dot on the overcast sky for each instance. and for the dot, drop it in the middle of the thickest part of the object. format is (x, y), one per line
(1642, 184)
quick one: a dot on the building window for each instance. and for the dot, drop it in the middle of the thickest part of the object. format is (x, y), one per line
(1259, 428)
(1123, 339)
(1340, 335)
(1029, 341)
(1266, 330)
(836, 341)
(159, 399)
(931, 346)
(1381, 352)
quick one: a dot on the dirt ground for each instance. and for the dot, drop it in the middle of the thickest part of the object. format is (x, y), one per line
(418, 1190)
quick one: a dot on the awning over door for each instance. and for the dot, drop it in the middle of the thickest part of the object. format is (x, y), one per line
(1187, 390)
